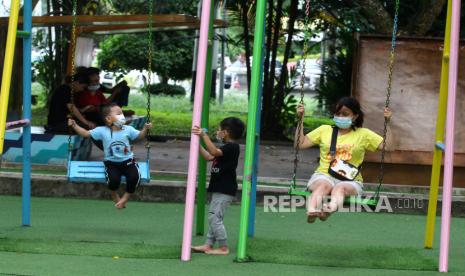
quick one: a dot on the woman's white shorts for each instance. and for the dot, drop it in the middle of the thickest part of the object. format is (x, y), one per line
(334, 182)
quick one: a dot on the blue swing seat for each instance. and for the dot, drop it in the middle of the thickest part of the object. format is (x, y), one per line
(94, 172)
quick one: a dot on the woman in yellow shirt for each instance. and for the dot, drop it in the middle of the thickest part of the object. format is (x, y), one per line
(352, 142)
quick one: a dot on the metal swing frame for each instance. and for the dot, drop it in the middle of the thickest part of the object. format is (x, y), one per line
(94, 171)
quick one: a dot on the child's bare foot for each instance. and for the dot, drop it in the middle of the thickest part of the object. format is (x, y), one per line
(122, 202)
(311, 216)
(224, 250)
(201, 248)
(115, 197)
(120, 205)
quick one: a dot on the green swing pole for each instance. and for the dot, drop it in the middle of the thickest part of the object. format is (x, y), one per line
(202, 171)
(251, 130)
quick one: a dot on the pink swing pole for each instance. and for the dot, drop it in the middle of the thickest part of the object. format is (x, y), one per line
(195, 141)
(450, 130)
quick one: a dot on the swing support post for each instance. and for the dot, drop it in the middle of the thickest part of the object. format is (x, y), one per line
(8, 68)
(440, 123)
(195, 140)
(251, 130)
(450, 130)
(27, 48)
(253, 195)
(202, 182)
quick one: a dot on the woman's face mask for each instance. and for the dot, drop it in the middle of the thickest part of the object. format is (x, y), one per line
(343, 122)
(93, 88)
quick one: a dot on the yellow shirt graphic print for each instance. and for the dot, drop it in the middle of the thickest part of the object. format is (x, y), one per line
(350, 147)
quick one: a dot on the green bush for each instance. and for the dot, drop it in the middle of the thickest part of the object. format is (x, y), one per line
(165, 89)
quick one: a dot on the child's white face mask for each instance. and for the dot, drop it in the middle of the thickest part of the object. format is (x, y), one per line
(120, 120)
(220, 136)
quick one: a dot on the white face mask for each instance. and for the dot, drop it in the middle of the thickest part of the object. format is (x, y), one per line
(93, 88)
(120, 120)
(220, 137)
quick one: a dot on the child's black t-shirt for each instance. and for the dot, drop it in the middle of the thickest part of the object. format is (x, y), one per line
(223, 172)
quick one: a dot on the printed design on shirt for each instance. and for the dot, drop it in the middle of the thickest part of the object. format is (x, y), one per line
(214, 168)
(118, 148)
(343, 152)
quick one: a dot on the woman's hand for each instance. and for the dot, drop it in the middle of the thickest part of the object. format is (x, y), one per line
(148, 126)
(300, 110)
(387, 113)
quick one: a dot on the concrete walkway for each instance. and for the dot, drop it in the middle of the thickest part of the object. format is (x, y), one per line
(276, 161)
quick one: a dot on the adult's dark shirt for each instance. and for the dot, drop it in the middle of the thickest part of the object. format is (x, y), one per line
(223, 178)
(58, 108)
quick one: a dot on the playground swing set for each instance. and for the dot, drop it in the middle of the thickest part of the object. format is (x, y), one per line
(94, 171)
(446, 105)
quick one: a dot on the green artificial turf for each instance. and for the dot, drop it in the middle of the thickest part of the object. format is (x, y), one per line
(82, 237)
(359, 256)
(90, 248)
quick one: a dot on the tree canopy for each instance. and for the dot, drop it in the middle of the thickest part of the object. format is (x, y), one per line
(171, 59)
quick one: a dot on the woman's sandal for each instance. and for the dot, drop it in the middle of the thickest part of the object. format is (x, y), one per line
(324, 216)
(311, 216)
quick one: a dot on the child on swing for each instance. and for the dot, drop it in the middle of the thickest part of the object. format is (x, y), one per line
(118, 156)
(352, 142)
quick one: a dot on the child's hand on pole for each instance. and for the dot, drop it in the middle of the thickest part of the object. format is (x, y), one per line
(196, 130)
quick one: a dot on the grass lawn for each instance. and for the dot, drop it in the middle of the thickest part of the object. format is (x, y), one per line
(90, 237)
(173, 115)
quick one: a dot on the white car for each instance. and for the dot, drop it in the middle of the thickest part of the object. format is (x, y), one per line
(237, 72)
(312, 74)
(107, 79)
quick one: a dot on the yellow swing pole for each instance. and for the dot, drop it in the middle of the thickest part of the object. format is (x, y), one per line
(440, 125)
(8, 68)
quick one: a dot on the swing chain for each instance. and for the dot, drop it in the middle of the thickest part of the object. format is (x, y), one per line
(388, 96)
(73, 69)
(302, 95)
(149, 79)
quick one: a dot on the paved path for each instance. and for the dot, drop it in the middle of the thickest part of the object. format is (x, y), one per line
(275, 161)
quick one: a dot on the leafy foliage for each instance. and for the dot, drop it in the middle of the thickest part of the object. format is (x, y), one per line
(287, 117)
(159, 6)
(165, 89)
(337, 74)
(172, 54)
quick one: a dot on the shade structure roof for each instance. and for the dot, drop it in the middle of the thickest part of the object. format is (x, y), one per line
(107, 24)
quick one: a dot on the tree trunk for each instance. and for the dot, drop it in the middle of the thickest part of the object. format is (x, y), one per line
(245, 26)
(164, 79)
(287, 51)
(422, 21)
(271, 127)
(377, 15)
(275, 43)
(267, 92)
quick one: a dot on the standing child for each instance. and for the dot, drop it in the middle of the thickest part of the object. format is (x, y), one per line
(223, 183)
(118, 156)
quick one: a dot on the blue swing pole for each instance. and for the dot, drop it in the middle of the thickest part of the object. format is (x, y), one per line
(253, 192)
(27, 48)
